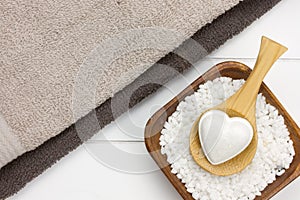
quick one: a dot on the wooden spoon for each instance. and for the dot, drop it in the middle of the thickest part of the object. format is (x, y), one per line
(241, 104)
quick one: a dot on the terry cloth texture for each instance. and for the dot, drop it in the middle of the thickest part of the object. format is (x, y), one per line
(62, 59)
(20, 171)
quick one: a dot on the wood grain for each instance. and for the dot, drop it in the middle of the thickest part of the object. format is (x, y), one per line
(241, 104)
(234, 70)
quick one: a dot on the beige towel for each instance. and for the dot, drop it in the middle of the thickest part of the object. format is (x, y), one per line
(49, 74)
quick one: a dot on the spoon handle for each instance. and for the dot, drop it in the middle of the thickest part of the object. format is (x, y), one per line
(269, 52)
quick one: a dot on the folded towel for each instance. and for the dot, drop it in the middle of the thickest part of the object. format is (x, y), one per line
(48, 66)
(43, 47)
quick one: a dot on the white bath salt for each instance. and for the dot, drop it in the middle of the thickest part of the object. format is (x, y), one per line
(274, 155)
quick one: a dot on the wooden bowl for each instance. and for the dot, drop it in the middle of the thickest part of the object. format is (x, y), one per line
(234, 70)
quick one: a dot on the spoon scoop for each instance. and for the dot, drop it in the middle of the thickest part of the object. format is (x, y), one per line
(241, 105)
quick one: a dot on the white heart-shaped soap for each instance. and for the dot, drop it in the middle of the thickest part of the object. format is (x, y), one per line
(222, 137)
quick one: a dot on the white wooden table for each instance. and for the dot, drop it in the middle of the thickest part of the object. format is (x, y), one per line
(80, 175)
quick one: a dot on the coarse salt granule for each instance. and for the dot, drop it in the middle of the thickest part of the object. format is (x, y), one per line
(275, 149)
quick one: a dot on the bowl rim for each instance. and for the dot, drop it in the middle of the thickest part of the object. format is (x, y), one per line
(156, 122)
